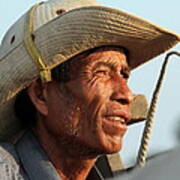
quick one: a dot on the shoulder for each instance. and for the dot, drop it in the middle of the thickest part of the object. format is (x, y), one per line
(9, 162)
(7, 152)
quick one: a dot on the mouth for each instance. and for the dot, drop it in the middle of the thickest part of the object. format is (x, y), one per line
(117, 119)
(114, 125)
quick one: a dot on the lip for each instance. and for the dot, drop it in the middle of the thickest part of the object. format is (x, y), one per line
(114, 127)
(120, 114)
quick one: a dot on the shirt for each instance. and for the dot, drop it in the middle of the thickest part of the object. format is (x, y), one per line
(26, 160)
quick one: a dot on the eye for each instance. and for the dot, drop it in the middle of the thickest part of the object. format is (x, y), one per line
(102, 72)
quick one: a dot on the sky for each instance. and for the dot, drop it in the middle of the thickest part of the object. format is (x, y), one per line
(166, 130)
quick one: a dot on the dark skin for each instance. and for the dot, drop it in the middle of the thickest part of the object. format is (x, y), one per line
(86, 116)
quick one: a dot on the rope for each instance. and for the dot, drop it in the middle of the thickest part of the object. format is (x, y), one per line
(142, 155)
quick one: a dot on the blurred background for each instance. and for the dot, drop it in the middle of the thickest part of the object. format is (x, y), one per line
(166, 131)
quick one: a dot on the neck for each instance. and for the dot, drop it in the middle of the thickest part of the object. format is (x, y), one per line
(68, 167)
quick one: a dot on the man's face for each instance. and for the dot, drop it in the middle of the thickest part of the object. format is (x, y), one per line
(89, 112)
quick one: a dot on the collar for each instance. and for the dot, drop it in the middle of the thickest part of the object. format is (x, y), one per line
(34, 160)
(36, 163)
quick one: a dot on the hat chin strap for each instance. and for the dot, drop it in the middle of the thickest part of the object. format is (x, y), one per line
(45, 72)
(142, 155)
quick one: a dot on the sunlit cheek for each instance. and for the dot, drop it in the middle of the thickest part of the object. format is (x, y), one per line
(97, 88)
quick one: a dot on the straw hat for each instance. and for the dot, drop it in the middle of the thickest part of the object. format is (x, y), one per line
(56, 30)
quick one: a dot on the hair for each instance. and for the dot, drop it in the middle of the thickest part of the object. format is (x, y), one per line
(25, 110)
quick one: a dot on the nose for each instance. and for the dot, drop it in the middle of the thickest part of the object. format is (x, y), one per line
(122, 93)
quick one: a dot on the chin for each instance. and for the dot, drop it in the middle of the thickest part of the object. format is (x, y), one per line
(110, 147)
(113, 149)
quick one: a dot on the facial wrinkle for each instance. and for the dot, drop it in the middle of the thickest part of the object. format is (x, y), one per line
(96, 102)
(93, 82)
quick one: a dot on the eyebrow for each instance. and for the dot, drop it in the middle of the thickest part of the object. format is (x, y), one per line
(112, 66)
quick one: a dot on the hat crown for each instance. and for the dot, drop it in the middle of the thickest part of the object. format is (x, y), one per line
(72, 4)
(44, 13)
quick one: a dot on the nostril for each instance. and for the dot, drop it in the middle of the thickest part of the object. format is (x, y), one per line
(123, 101)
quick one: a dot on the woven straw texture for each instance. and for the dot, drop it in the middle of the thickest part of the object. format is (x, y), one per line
(59, 37)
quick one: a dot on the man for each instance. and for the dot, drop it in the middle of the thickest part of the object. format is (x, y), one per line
(69, 62)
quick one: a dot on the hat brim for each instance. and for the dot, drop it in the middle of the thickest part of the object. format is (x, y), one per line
(72, 33)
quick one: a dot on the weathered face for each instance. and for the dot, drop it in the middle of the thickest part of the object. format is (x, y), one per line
(89, 113)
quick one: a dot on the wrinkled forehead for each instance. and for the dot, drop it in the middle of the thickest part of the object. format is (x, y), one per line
(87, 58)
(96, 53)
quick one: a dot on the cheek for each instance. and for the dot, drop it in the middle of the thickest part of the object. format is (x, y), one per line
(94, 99)
(63, 115)
(97, 89)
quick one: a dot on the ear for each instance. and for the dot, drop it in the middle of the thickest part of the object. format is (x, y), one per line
(37, 93)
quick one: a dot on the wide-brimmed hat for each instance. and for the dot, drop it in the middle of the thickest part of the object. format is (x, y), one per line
(54, 31)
